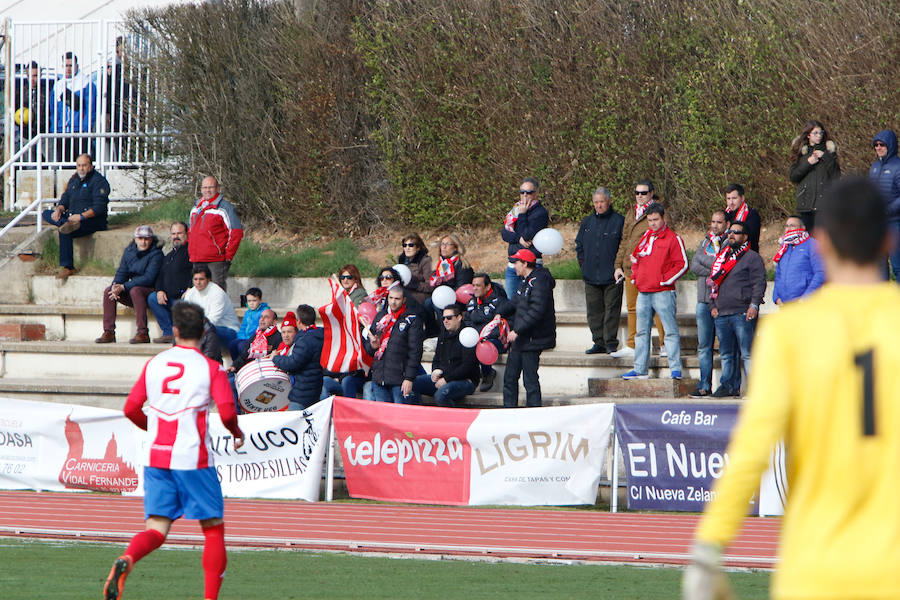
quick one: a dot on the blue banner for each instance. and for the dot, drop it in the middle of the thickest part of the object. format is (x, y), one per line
(673, 452)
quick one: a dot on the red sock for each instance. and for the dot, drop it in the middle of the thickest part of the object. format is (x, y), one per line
(144, 543)
(214, 560)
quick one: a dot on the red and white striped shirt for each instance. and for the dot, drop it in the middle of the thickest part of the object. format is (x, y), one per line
(171, 401)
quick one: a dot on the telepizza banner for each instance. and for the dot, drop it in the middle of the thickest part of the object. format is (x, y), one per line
(531, 456)
(673, 454)
(64, 447)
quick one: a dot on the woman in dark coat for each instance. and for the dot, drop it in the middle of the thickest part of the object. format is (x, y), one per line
(815, 164)
(415, 256)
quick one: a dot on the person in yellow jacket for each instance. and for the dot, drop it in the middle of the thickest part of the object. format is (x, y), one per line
(825, 379)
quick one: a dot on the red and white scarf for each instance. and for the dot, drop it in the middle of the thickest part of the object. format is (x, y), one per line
(714, 241)
(380, 294)
(202, 207)
(724, 263)
(445, 271)
(509, 223)
(283, 349)
(384, 328)
(791, 237)
(259, 347)
(645, 244)
(741, 213)
(639, 210)
(495, 323)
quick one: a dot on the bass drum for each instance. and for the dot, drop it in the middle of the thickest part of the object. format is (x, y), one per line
(262, 387)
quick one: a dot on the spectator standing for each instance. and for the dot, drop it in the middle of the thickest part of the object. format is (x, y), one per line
(533, 329)
(523, 221)
(395, 340)
(74, 108)
(634, 228)
(489, 300)
(799, 269)
(414, 255)
(885, 172)
(179, 477)
(119, 94)
(303, 363)
(737, 287)
(215, 304)
(351, 281)
(81, 211)
(131, 285)
(173, 280)
(454, 369)
(815, 165)
(249, 322)
(32, 102)
(596, 247)
(657, 262)
(736, 209)
(701, 265)
(215, 231)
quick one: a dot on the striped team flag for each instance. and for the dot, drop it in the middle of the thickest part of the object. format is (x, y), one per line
(343, 350)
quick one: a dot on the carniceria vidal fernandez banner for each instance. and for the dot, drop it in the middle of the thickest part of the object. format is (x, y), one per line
(673, 453)
(433, 455)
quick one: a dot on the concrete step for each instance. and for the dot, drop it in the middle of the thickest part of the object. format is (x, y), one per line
(647, 388)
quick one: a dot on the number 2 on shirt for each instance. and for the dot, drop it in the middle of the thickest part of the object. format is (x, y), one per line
(865, 361)
(166, 389)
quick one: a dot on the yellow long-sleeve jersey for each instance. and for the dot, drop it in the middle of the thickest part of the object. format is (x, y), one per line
(825, 376)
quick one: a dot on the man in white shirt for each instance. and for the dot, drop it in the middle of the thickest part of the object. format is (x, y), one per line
(215, 304)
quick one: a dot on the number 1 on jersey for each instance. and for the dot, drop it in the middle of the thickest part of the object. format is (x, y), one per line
(166, 389)
(865, 361)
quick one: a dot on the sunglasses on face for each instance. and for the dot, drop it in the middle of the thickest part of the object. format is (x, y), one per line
(733, 232)
(527, 192)
(380, 277)
(409, 245)
(641, 192)
(346, 277)
(447, 317)
(880, 145)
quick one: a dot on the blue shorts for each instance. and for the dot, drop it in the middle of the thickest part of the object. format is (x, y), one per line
(193, 494)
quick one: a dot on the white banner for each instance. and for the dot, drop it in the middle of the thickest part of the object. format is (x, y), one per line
(65, 447)
(539, 456)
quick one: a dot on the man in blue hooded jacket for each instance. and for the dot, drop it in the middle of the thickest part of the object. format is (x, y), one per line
(885, 173)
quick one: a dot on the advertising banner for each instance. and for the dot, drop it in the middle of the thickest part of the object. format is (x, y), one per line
(531, 456)
(64, 447)
(673, 452)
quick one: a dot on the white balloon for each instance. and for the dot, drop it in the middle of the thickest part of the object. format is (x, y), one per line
(548, 241)
(468, 337)
(443, 296)
(405, 273)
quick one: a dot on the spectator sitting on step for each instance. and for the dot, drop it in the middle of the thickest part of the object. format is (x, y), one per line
(288, 331)
(269, 331)
(386, 280)
(173, 280)
(303, 364)
(215, 231)
(249, 322)
(215, 303)
(81, 211)
(454, 368)
(489, 300)
(132, 284)
(452, 270)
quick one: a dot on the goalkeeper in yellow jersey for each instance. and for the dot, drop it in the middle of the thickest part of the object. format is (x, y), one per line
(826, 378)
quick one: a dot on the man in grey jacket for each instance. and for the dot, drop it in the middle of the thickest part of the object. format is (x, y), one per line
(701, 264)
(737, 287)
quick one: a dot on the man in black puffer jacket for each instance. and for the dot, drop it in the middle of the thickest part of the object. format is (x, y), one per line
(533, 330)
(395, 340)
(489, 300)
(303, 364)
(454, 370)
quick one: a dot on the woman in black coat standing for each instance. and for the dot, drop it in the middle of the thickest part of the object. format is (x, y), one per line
(815, 164)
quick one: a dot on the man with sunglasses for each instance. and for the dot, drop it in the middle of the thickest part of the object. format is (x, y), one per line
(885, 173)
(454, 369)
(737, 285)
(522, 222)
(634, 228)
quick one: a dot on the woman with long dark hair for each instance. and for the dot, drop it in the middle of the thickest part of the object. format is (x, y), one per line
(814, 165)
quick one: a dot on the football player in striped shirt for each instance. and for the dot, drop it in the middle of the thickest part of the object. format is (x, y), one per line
(826, 379)
(171, 401)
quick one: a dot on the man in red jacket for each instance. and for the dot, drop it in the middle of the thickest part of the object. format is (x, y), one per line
(215, 231)
(656, 264)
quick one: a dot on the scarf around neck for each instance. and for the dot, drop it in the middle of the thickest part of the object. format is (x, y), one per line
(724, 263)
(791, 237)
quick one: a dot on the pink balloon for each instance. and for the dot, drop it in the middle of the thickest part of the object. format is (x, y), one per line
(465, 292)
(367, 310)
(486, 352)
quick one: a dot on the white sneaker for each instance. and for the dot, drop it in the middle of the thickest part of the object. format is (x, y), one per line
(624, 352)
